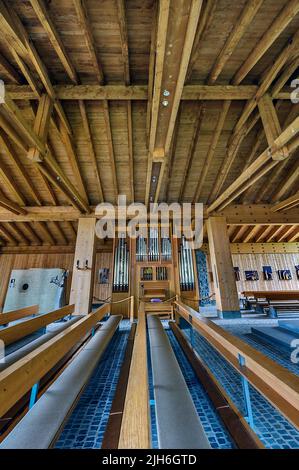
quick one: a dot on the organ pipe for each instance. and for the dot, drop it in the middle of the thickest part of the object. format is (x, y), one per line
(121, 267)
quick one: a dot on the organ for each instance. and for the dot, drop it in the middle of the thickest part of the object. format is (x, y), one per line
(153, 267)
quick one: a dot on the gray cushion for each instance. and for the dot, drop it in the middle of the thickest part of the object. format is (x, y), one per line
(19, 353)
(42, 424)
(178, 423)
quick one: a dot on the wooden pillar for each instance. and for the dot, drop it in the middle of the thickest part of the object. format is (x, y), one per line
(226, 293)
(84, 264)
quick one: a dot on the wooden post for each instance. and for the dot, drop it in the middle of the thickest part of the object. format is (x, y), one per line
(83, 270)
(223, 272)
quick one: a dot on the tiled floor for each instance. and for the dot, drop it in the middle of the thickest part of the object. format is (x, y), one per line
(215, 431)
(271, 427)
(86, 425)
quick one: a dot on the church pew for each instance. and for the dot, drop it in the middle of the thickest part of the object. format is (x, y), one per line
(19, 378)
(178, 423)
(273, 381)
(42, 425)
(22, 351)
(13, 315)
(20, 330)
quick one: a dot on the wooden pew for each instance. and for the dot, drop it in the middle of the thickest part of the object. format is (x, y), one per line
(135, 427)
(13, 315)
(273, 381)
(19, 378)
(274, 301)
(20, 330)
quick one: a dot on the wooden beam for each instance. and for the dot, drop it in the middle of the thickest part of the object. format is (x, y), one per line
(226, 294)
(288, 203)
(43, 15)
(10, 205)
(10, 185)
(212, 148)
(140, 92)
(41, 126)
(83, 269)
(245, 19)
(17, 233)
(204, 24)
(74, 162)
(282, 20)
(232, 191)
(15, 114)
(252, 233)
(9, 69)
(20, 169)
(7, 235)
(105, 107)
(271, 125)
(84, 25)
(30, 233)
(192, 147)
(43, 229)
(92, 153)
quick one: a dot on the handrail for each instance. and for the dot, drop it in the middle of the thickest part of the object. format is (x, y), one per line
(275, 382)
(20, 330)
(135, 428)
(13, 315)
(17, 379)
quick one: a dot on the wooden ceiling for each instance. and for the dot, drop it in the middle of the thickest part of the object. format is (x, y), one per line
(170, 100)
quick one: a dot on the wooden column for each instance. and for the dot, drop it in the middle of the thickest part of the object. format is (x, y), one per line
(83, 272)
(222, 266)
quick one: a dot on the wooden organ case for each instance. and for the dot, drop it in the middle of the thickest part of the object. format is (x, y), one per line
(153, 268)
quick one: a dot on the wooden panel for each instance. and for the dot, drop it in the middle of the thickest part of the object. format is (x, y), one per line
(276, 261)
(135, 429)
(103, 291)
(82, 281)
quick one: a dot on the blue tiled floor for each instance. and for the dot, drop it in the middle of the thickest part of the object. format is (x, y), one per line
(271, 427)
(86, 425)
(278, 355)
(215, 431)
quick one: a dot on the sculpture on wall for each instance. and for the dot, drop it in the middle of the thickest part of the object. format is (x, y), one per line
(251, 276)
(284, 274)
(268, 273)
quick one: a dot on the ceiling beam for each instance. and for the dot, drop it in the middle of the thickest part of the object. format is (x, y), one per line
(43, 15)
(239, 185)
(9, 69)
(176, 29)
(140, 92)
(19, 168)
(248, 13)
(288, 12)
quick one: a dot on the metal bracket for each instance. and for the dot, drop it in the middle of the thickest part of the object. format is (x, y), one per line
(248, 413)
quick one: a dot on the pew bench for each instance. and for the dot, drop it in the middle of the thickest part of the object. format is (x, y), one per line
(44, 422)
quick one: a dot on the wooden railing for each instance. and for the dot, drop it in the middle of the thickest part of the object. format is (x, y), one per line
(135, 428)
(20, 330)
(18, 379)
(273, 381)
(13, 315)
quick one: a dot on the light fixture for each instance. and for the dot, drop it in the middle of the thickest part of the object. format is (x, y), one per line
(166, 92)
(165, 103)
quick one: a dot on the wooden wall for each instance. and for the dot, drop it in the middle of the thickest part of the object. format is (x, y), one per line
(257, 261)
(8, 262)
